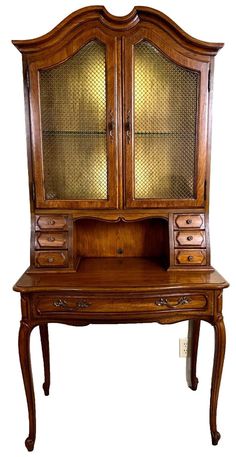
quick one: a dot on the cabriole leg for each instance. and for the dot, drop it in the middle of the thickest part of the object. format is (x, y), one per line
(25, 361)
(220, 340)
(43, 328)
(191, 362)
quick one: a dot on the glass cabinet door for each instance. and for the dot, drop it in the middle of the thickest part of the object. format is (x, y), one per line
(162, 155)
(78, 127)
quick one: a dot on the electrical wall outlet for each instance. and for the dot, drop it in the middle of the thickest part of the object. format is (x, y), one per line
(183, 347)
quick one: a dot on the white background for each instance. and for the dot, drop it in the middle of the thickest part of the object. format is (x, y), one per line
(116, 390)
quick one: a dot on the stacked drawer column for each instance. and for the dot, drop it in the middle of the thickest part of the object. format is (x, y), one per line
(189, 240)
(52, 242)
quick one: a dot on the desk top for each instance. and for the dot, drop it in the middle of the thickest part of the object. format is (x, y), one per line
(124, 275)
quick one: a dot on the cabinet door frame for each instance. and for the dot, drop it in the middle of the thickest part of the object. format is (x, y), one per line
(167, 48)
(57, 56)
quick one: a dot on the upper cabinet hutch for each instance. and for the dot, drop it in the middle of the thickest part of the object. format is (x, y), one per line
(118, 115)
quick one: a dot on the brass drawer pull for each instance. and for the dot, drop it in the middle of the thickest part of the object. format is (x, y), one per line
(162, 302)
(51, 238)
(184, 300)
(63, 304)
(60, 303)
(189, 221)
(51, 222)
(82, 304)
(128, 127)
(50, 259)
(190, 258)
(181, 301)
(111, 125)
(190, 238)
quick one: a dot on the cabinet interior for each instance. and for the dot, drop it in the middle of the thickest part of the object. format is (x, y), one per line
(73, 116)
(146, 238)
(165, 108)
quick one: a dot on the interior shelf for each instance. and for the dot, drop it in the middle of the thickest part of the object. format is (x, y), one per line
(71, 132)
(83, 133)
(181, 134)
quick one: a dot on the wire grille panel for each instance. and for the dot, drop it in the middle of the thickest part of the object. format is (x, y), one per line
(166, 102)
(73, 116)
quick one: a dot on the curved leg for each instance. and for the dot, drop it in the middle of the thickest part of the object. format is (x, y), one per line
(43, 328)
(24, 353)
(191, 362)
(220, 340)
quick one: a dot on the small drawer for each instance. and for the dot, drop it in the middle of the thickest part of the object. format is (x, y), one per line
(51, 259)
(189, 221)
(51, 222)
(45, 240)
(190, 238)
(190, 257)
(57, 305)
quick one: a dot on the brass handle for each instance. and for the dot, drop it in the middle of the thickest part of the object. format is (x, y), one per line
(190, 238)
(50, 259)
(63, 304)
(83, 304)
(184, 300)
(51, 222)
(128, 127)
(181, 301)
(111, 125)
(51, 238)
(190, 258)
(60, 303)
(161, 302)
(189, 221)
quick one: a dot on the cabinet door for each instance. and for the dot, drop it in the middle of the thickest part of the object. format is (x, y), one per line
(165, 123)
(73, 123)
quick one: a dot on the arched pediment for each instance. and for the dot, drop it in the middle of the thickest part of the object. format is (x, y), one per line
(120, 24)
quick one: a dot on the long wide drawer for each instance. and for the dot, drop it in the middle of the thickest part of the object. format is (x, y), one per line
(56, 304)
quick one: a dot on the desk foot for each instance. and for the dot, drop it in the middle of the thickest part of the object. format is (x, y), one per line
(46, 389)
(29, 444)
(194, 384)
(215, 436)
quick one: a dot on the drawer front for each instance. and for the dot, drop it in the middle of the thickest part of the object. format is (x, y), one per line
(190, 238)
(189, 221)
(45, 240)
(57, 305)
(51, 259)
(190, 257)
(51, 222)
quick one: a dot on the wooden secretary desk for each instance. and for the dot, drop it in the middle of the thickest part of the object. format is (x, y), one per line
(118, 114)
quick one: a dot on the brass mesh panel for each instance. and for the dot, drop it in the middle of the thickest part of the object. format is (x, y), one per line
(73, 116)
(166, 98)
